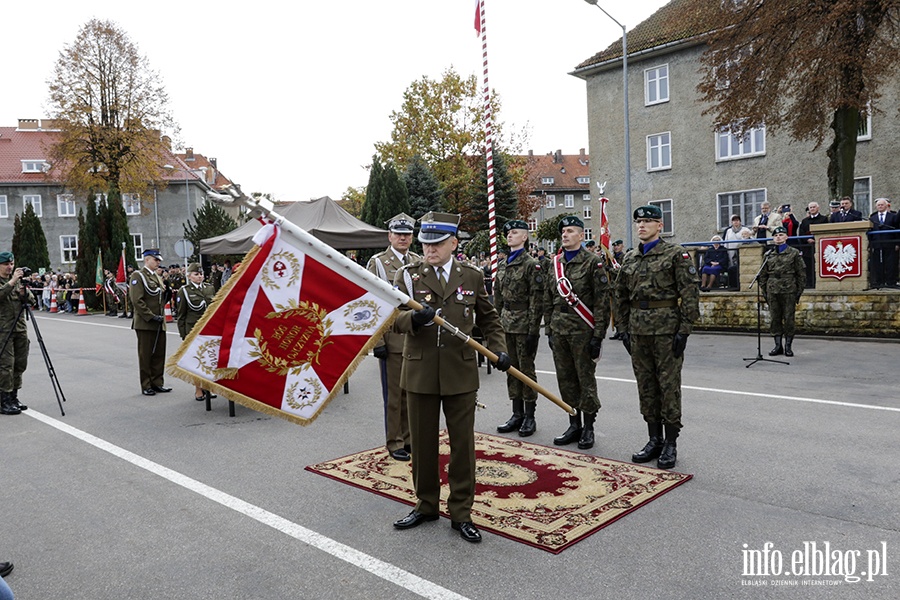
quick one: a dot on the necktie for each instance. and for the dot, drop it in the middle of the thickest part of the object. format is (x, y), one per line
(441, 278)
(881, 216)
(405, 260)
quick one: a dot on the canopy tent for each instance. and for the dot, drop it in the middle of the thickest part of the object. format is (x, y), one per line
(322, 218)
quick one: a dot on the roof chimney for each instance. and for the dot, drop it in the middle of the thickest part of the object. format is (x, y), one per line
(28, 124)
(581, 152)
(188, 154)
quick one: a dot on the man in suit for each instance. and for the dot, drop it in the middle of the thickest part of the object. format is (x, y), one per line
(440, 370)
(808, 247)
(883, 246)
(389, 349)
(846, 213)
(147, 293)
(766, 221)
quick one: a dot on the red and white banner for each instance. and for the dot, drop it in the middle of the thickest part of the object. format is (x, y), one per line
(840, 257)
(604, 234)
(286, 331)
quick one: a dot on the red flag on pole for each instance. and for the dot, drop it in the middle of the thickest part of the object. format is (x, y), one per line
(478, 17)
(604, 233)
(120, 272)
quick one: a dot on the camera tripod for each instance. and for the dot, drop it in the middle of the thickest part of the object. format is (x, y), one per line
(57, 388)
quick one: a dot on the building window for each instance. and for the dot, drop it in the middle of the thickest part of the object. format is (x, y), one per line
(34, 201)
(551, 201)
(132, 204)
(656, 85)
(4, 211)
(532, 224)
(65, 204)
(137, 240)
(588, 233)
(586, 211)
(547, 180)
(98, 198)
(659, 151)
(745, 204)
(730, 146)
(586, 197)
(864, 132)
(33, 166)
(668, 222)
(862, 194)
(68, 248)
(569, 200)
(583, 180)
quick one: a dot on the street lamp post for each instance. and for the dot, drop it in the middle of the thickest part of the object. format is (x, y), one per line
(628, 238)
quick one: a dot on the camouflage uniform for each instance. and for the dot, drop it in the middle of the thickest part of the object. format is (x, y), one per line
(14, 360)
(518, 297)
(781, 282)
(657, 296)
(575, 370)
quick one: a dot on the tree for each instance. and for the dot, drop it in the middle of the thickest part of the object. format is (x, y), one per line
(548, 230)
(353, 199)
(804, 67)
(374, 195)
(396, 196)
(506, 198)
(210, 220)
(425, 193)
(88, 245)
(110, 108)
(118, 229)
(29, 241)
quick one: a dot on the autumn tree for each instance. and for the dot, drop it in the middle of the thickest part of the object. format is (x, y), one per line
(111, 108)
(353, 199)
(210, 220)
(29, 244)
(548, 229)
(802, 66)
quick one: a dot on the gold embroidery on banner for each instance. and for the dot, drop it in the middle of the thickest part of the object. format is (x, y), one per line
(306, 396)
(295, 336)
(207, 357)
(365, 315)
(278, 266)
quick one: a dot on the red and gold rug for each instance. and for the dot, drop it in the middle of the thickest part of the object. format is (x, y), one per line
(545, 497)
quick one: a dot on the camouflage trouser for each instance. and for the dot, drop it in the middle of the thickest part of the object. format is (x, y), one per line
(658, 375)
(781, 311)
(575, 371)
(14, 360)
(523, 361)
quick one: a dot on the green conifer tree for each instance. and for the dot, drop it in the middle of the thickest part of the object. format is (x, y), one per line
(395, 196)
(506, 198)
(425, 193)
(210, 220)
(88, 245)
(374, 193)
(30, 243)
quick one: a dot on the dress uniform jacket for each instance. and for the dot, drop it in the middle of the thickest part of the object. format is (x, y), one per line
(191, 302)
(148, 299)
(385, 265)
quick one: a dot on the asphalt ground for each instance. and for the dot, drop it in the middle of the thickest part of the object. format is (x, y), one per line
(128, 496)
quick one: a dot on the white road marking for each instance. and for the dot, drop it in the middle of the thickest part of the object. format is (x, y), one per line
(755, 394)
(379, 568)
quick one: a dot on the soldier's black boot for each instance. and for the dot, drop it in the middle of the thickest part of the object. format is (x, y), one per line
(669, 452)
(587, 432)
(572, 433)
(654, 446)
(778, 349)
(516, 419)
(529, 425)
(788, 340)
(7, 405)
(15, 397)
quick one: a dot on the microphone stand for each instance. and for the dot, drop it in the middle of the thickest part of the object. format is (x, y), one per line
(759, 355)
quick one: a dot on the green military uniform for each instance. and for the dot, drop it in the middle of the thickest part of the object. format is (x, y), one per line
(657, 302)
(440, 370)
(781, 283)
(176, 281)
(396, 418)
(112, 299)
(14, 359)
(518, 297)
(148, 299)
(191, 302)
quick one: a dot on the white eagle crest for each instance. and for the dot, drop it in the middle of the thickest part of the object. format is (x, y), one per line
(840, 258)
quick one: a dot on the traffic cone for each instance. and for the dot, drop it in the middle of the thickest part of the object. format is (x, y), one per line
(82, 309)
(53, 307)
(169, 318)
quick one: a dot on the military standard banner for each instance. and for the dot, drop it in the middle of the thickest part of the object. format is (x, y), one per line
(286, 332)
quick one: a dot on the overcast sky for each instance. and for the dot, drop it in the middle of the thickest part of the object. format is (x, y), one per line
(290, 98)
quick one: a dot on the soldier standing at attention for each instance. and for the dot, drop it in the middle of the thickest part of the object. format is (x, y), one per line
(191, 301)
(518, 297)
(440, 371)
(389, 350)
(14, 332)
(781, 283)
(147, 293)
(576, 297)
(658, 299)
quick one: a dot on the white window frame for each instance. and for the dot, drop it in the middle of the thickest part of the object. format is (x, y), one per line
(532, 224)
(4, 208)
(129, 202)
(586, 211)
(586, 197)
(65, 205)
(655, 79)
(33, 165)
(68, 251)
(547, 180)
(668, 229)
(583, 180)
(862, 195)
(659, 148)
(757, 144)
(137, 240)
(746, 209)
(36, 204)
(864, 131)
(588, 234)
(569, 200)
(551, 201)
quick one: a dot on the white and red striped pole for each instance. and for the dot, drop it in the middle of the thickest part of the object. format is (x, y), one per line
(488, 138)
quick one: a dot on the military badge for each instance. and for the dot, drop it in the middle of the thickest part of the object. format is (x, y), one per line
(692, 270)
(427, 297)
(685, 255)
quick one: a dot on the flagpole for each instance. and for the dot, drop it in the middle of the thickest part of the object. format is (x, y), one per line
(309, 244)
(489, 141)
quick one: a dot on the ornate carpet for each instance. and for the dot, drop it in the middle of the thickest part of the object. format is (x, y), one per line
(545, 497)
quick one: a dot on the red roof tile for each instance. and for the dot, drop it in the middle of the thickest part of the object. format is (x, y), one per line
(563, 168)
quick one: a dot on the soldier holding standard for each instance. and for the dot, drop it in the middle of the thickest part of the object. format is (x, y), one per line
(781, 283)
(518, 297)
(658, 298)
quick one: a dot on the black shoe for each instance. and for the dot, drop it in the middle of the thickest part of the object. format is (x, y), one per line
(148, 392)
(653, 448)
(123, 316)
(586, 441)
(8, 408)
(467, 531)
(111, 314)
(200, 398)
(573, 433)
(6, 568)
(408, 448)
(414, 519)
(160, 389)
(513, 423)
(21, 406)
(778, 349)
(669, 452)
(616, 336)
(400, 454)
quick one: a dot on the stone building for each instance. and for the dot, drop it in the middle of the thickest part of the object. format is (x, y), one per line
(561, 183)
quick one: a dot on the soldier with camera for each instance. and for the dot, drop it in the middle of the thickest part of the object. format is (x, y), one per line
(13, 333)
